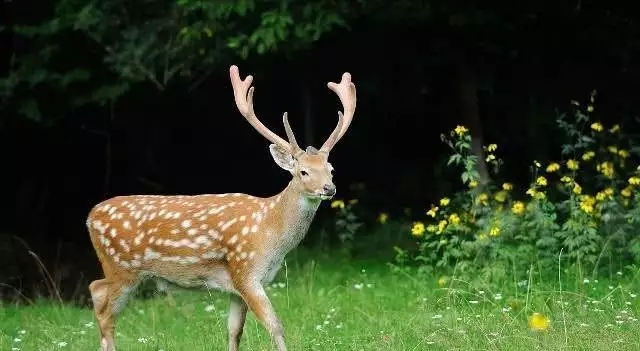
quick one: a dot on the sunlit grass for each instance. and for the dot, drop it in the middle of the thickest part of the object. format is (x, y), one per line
(347, 305)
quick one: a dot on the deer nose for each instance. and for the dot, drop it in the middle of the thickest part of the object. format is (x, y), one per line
(329, 189)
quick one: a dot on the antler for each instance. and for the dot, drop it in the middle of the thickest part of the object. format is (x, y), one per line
(346, 91)
(243, 93)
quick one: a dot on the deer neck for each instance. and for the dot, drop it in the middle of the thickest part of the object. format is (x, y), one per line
(296, 213)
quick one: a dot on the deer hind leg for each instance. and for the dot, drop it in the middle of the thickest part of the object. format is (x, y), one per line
(254, 295)
(235, 324)
(109, 298)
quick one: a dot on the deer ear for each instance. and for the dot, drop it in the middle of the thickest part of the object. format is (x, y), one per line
(282, 157)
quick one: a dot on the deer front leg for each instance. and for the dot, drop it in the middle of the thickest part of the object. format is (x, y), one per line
(254, 295)
(235, 324)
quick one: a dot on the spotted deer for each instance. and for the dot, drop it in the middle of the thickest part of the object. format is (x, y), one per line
(232, 242)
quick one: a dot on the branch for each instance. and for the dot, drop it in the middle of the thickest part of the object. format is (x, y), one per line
(136, 61)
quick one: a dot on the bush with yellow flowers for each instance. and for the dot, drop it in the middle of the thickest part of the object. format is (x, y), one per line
(585, 204)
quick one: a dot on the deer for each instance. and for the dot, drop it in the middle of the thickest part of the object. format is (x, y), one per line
(230, 242)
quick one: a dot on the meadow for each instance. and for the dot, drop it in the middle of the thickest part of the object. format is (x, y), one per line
(549, 264)
(329, 303)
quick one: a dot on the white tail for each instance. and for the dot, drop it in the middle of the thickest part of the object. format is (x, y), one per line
(231, 242)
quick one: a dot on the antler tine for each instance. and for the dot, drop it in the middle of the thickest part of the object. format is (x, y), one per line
(295, 149)
(244, 102)
(346, 91)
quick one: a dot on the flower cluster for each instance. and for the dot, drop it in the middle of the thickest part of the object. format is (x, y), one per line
(570, 203)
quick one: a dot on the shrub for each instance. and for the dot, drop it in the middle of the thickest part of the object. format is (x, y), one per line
(585, 205)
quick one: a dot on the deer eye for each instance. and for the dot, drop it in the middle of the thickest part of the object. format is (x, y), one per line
(304, 173)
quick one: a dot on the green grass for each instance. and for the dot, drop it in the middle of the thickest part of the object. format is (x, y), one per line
(358, 305)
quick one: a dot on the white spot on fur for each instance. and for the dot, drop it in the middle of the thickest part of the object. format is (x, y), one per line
(186, 223)
(245, 230)
(150, 254)
(254, 228)
(228, 224)
(124, 245)
(233, 239)
(126, 225)
(113, 232)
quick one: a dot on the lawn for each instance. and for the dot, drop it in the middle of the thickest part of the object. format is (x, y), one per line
(339, 304)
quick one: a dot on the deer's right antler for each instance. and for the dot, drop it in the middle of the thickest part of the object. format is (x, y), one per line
(346, 91)
(243, 93)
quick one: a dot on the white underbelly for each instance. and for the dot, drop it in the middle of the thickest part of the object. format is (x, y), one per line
(218, 278)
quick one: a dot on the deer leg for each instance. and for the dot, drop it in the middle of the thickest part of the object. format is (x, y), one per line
(235, 324)
(109, 298)
(254, 295)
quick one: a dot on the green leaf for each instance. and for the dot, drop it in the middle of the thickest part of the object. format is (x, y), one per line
(109, 93)
(30, 109)
(73, 76)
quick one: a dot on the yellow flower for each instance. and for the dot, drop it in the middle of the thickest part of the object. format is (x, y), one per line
(597, 126)
(454, 219)
(442, 225)
(566, 179)
(626, 192)
(337, 204)
(482, 236)
(589, 108)
(490, 157)
(500, 196)
(577, 189)
(623, 153)
(444, 201)
(613, 149)
(552, 167)
(495, 231)
(607, 169)
(615, 128)
(461, 130)
(588, 155)
(473, 184)
(483, 199)
(433, 211)
(418, 229)
(353, 201)
(443, 281)
(604, 194)
(431, 228)
(507, 186)
(573, 165)
(539, 322)
(540, 195)
(587, 203)
(492, 147)
(532, 192)
(518, 208)
(634, 180)
(382, 218)
(542, 181)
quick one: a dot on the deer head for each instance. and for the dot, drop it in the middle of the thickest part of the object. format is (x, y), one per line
(310, 168)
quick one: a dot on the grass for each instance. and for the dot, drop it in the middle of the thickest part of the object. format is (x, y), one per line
(339, 304)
